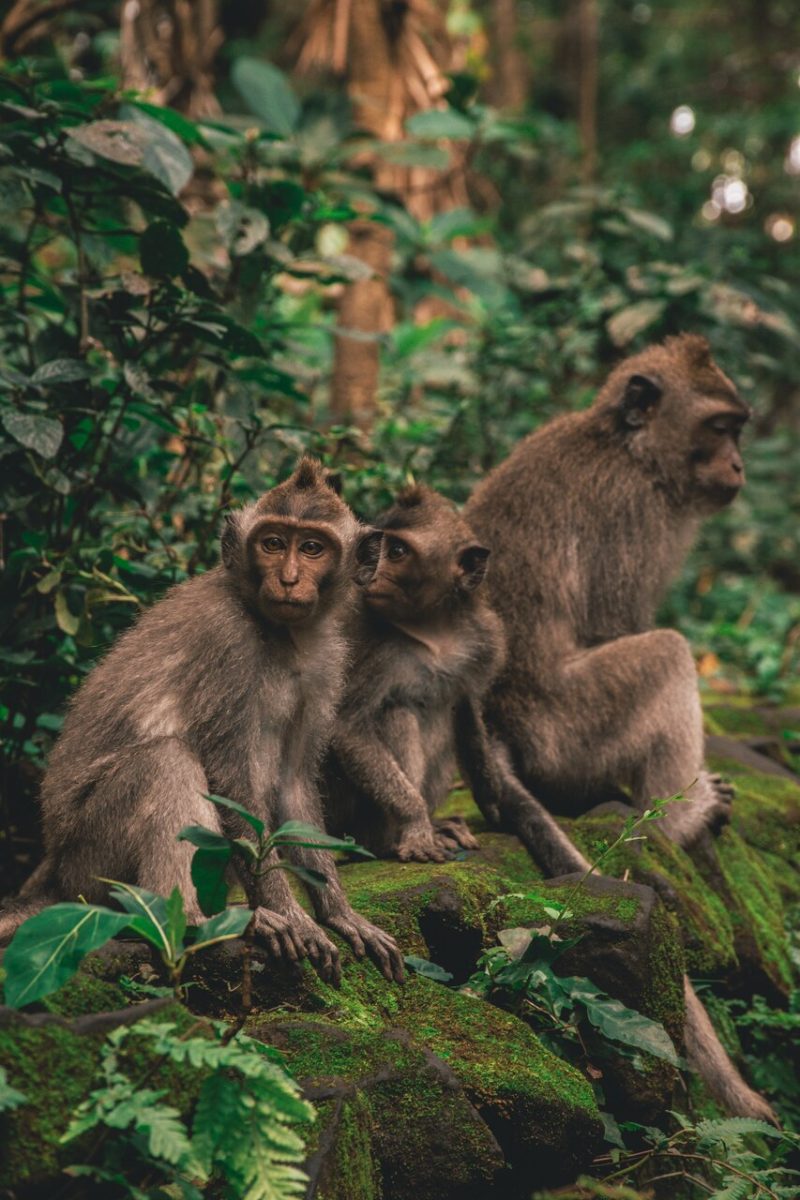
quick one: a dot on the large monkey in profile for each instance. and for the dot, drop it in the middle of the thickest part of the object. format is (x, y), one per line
(588, 519)
(227, 685)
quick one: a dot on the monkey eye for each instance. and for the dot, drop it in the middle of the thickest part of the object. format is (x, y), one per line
(273, 544)
(312, 549)
(396, 551)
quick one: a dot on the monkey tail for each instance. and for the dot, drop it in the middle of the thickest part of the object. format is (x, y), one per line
(35, 895)
(708, 1057)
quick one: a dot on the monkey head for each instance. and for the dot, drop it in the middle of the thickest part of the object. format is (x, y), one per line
(680, 417)
(428, 558)
(293, 552)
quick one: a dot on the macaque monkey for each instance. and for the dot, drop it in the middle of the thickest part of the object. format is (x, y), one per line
(228, 685)
(426, 647)
(588, 519)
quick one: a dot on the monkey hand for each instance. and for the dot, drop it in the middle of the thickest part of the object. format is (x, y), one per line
(295, 937)
(418, 843)
(365, 938)
(453, 833)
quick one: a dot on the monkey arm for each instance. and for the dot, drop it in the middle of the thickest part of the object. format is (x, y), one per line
(376, 772)
(330, 900)
(501, 797)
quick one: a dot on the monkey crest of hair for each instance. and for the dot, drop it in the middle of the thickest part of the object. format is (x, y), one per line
(228, 685)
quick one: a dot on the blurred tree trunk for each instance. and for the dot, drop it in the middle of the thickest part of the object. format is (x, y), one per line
(511, 74)
(391, 55)
(169, 46)
(588, 66)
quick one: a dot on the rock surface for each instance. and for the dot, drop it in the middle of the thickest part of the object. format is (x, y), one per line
(424, 1092)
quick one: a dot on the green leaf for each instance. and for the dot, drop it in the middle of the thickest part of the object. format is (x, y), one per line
(622, 1024)
(42, 434)
(421, 966)
(242, 228)
(161, 251)
(254, 822)
(65, 619)
(49, 581)
(308, 875)
(164, 154)
(47, 949)
(151, 918)
(209, 876)
(727, 1128)
(60, 370)
(650, 223)
(187, 130)
(119, 141)
(440, 123)
(9, 1096)
(300, 833)
(225, 925)
(176, 920)
(267, 92)
(626, 324)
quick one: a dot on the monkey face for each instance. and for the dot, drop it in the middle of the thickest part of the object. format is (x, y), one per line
(419, 573)
(294, 565)
(717, 468)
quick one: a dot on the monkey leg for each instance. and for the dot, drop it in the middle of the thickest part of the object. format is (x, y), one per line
(626, 713)
(453, 834)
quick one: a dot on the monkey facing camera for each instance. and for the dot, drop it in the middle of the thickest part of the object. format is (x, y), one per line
(227, 685)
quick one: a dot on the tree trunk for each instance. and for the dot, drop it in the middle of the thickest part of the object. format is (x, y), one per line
(510, 80)
(588, 39)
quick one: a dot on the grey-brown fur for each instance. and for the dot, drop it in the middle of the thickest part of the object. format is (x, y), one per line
(412, 708)
(204, 694)
(588, 520)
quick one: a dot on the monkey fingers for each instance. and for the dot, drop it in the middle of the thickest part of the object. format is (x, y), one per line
(366, 938)
(724, 789)
(277, 934)
(417, 843)
(454, 831)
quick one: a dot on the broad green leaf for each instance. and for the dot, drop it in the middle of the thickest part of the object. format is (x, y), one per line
(650, 223)
(149, 911)
(209, 876)
(307, 874)
(49, 581)
(516, 941)
(119, 141)
(253, 821)
(410, 154)
(34, 432)
(207, 839)
(176, 920)
(161, 250)
(164, 154)
(47, 949)
(60, 370)
(421, 966)
(300, 833)
(621, 1024)
(267, 92)
(440, 123)
(225, 925)
(187, 130)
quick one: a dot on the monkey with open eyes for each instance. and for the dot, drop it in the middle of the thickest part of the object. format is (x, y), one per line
(228, 685)
(588, 519)
(426, 646)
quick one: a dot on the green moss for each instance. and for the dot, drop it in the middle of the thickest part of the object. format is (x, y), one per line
(735, 720)
(766, 811)
(85, 994)
(349, 1170)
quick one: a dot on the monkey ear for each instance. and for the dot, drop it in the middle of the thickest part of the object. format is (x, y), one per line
(368, 553)
(472, 563)
(333, 480)
(230, 539)
(639, 399)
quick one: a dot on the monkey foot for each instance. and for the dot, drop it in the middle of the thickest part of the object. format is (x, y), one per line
(418, 843)
(293, 938)
(723, 788)
(453, 833)
(365, 938)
